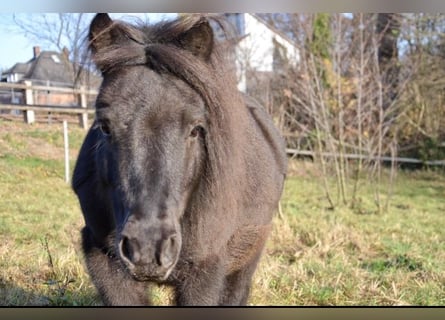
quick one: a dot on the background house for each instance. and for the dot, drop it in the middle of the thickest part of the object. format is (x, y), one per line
(262, 54)
(261, 50)
(50, 69)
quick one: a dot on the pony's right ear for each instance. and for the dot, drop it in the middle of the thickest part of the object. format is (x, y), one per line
(100, 34)
(105, 35)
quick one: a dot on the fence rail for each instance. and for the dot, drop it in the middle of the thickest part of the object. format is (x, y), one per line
(45, 108)
(31, 94)
(23, 86)
(296, 152)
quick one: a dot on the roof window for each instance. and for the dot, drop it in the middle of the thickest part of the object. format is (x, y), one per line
(55, 58)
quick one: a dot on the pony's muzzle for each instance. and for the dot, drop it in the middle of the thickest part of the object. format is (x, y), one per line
(149, 258)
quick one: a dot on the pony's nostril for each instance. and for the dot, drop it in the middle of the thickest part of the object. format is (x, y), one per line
(129, 249)
(168, 252)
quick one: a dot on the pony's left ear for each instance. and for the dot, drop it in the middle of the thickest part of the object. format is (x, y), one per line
(198, 39)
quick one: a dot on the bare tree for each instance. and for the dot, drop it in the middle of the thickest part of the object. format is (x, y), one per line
(423, 134)
(65, 32)
(388, 28)
(57, 30)
(337, 99)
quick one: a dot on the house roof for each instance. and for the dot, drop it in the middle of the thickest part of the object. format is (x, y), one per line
(54, 69)
(51, 66)
(240, 31)
(260, 18)
(18, 68)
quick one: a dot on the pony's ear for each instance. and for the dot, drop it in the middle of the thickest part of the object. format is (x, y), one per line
(198, 39)
(105, 35)
(105, 32)
(100, 32)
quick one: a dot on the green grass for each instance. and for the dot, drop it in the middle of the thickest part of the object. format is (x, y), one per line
(315, 255)
(39, 219)
(318, 256)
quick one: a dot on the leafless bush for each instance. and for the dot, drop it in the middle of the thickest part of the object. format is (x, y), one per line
(342, 101)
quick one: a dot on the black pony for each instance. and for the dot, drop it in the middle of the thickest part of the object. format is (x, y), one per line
(180, 174)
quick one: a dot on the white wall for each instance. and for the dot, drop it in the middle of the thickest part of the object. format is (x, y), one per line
(255, 51)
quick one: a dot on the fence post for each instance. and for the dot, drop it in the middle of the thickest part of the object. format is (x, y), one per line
(83, 117)
(29, 115)
(67, 151)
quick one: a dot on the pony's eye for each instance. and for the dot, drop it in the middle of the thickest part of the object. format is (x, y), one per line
(104, 128)
(196, 131)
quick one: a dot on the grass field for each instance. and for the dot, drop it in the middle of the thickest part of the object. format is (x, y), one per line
(315, 256)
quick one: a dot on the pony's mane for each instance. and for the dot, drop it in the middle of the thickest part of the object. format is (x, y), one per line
(213, 80)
